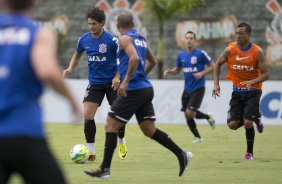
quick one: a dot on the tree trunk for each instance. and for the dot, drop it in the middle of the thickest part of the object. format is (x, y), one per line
(160, 54)
(160, 69)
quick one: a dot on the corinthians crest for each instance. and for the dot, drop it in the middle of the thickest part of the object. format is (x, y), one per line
(102, 48)
(119, 6)
(274, 34)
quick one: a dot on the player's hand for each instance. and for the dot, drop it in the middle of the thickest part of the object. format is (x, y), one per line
(216, 91)
(166, 72)
(77, 113)
(66, 73)
(122, 90)
(198, 75)
(115, 83)
(248, 84)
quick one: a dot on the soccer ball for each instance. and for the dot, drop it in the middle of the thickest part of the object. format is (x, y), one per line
(79, 154)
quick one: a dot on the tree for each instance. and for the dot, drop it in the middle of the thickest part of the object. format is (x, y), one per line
(162, 11)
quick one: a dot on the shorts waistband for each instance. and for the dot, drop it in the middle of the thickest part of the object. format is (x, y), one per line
(243, 89)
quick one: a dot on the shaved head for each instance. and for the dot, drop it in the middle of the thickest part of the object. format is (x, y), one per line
(125, 20)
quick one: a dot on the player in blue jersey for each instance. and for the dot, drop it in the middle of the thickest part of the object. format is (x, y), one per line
(101, 49)
(192, 62)
(135, 97)
(27, 62)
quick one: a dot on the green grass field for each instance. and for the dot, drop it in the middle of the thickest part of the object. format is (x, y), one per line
(219, 160)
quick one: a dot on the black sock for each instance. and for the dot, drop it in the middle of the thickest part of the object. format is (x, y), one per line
(121, 132)
(110, 146)
(193, 127)
(89, 130)
(200, 115)
(250, 136)
(163, 139)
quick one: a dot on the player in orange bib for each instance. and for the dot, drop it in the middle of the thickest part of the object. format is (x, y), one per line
(247, 70)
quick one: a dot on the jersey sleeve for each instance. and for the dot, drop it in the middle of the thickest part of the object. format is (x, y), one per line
(79, 46)
(178, 61)
(206, 58)
(115, 44)
(115, 48)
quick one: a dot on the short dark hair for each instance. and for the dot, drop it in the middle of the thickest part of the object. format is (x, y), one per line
(125, 20)
(246, 26)
(96, 13)
(18, 5)
(191, 32)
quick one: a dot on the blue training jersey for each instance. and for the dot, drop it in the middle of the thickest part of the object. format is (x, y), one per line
(139, 79)
(20, 114)
(101, 56)
(192, 63)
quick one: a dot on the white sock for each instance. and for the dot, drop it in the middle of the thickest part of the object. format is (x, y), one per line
(91, 148)
(121, 140)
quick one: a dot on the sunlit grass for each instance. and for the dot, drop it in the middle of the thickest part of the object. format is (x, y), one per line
(219, 160)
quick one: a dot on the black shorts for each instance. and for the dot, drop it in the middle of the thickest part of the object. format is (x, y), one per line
(96, 93)
(31, 159)
(244, 105)
(192, 100)
(138, 102)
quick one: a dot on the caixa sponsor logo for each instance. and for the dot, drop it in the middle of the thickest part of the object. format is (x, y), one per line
(271, 104)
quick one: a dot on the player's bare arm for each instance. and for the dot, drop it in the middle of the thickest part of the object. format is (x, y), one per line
(172, 71)
(44, 56)
(207, 70)
(74, 61)
(263, 68)
(47, 69)
(152, 61)
(128, 47)
(217, 69)
(116, 81)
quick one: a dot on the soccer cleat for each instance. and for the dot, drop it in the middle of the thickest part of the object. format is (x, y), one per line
(249, 156)
(197, 140)
(259, 127)
(92, 157)
(184, 161)
(211, 120)
(99, 173)
(259, 124)
(122, 151)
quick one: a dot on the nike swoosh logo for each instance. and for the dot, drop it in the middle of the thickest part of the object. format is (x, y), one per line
(239, 59)
(123, 156)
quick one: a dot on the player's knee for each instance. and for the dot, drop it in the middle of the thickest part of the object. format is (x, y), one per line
(248, 124)
(189, 114)
(109, 126)
(147, 133)
(232, 125)
(89, 113)
(88, 116)
(148, 128)
(112, 125)
(189, 117)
